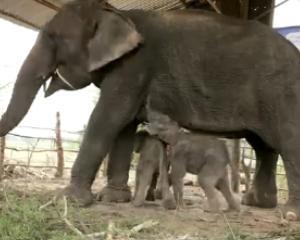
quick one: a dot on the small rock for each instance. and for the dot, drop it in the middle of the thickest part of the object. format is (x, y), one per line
(284, 222)
(291, 216)
(188, 183)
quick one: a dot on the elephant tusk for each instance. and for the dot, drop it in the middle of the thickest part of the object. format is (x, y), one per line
(64, 79)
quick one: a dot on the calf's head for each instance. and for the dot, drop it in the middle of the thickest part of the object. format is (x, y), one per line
(163, 126)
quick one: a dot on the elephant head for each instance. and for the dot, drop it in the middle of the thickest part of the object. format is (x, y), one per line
(84, 36)
(163, 126)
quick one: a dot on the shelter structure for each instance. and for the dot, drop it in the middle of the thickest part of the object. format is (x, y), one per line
(35, 13)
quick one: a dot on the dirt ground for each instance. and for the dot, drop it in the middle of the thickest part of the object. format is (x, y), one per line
(184, 224)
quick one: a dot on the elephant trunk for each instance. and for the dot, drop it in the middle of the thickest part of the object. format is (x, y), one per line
(34, 72)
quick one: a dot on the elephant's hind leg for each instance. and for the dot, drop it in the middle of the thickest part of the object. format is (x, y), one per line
(263, 192)
(208, 178)
(224, 187)
(151, 191)
(291, 159)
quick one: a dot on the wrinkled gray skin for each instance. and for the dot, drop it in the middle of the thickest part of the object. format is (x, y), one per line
(202, 155)
(152, 167)
(210, 73)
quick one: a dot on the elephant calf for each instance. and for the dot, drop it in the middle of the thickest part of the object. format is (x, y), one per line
(204, 155)
(151, 171)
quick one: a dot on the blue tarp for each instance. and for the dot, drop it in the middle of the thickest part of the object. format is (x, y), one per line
(292, 34)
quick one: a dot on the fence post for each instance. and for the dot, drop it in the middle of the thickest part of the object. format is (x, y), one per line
(2, 151)
(235, 166)
(105, 165)
(60, 152)
(247, 171)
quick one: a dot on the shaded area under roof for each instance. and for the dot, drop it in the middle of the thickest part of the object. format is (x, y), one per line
(35, 13)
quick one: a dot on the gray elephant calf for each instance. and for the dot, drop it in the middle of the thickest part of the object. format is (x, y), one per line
(151, 171)
(204, 155)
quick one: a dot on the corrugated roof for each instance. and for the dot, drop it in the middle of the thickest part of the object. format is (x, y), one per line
(35, 13)
(146, 4)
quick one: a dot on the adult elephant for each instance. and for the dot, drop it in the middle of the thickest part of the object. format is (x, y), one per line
(208, 72)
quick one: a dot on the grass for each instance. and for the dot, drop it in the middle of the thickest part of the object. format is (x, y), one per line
(237, 234)
(21, 219)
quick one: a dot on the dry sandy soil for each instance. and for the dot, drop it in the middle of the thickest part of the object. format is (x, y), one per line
(189, 223)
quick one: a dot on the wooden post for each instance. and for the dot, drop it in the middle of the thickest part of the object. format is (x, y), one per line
(248, 9)
(244, 9)
(257, 8)
(235, 166)
(247, 171)
(60, 152)
(105, 165)
(2, 151)
(230, 7)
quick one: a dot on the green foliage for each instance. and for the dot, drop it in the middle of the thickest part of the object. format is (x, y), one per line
(238, 236)
(21, 219)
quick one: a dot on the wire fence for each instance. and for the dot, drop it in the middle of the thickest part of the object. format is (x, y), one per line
(248, 158)
(39, 151)
(58, 152)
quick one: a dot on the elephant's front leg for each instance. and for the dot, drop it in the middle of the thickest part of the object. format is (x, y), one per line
(144, 175)
(263, 192)
(116, 109)
(168, 201)
(117, 189)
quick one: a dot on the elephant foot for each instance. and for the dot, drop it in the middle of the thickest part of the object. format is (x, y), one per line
(212, 206)
(169, 203)
(291, 211)
(158, 194)
(263, 200)
(150, 195)
(114, 194)
(137, 202)
(80, 195)
(236, 207)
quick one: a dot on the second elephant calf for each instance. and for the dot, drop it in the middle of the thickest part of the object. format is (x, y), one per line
(203, 155)
(152, 171)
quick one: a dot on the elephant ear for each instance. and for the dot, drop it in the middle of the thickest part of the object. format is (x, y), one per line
(114, 36)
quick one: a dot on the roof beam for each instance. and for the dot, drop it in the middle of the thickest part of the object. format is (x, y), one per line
(18, 18)
(47, 4)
